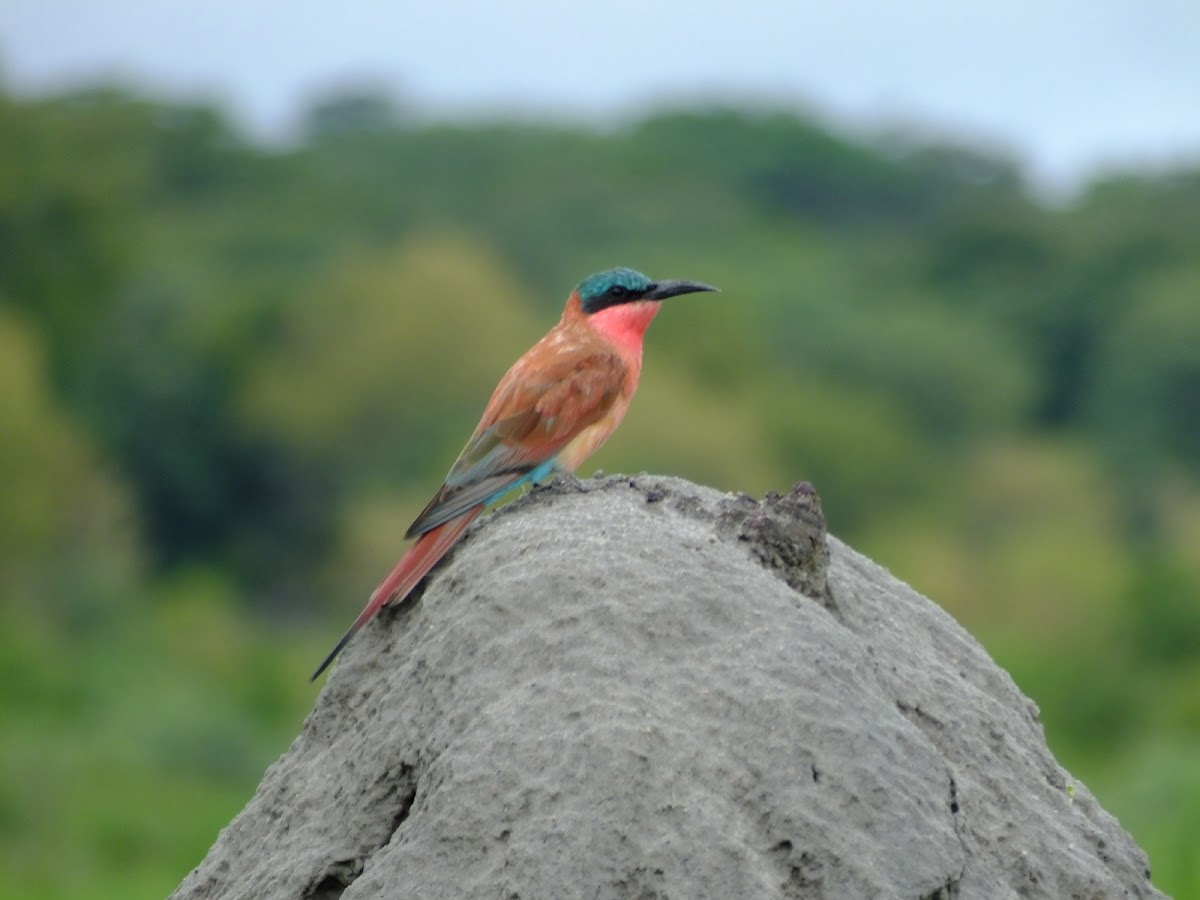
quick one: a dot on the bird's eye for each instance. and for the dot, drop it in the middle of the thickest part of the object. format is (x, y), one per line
(616, 291)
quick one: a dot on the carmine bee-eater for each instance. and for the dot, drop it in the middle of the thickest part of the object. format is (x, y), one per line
(558, 403)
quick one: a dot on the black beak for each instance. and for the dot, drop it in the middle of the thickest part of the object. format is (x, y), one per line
(661, 290)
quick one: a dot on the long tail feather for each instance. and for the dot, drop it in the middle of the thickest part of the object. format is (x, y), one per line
(407, 573)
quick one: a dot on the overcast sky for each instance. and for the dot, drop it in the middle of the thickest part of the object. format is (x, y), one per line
(1069, 85)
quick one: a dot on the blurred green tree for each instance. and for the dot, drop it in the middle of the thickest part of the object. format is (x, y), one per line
(251, 366)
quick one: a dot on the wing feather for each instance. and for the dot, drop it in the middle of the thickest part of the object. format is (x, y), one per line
(538, 407)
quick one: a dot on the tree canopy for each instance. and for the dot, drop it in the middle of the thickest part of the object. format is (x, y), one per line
(233, 372)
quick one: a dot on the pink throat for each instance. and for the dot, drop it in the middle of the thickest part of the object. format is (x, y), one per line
(625, 324)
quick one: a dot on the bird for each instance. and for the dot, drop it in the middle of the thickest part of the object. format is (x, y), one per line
(555, 406)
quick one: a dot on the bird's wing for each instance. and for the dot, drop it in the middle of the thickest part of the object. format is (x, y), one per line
(535, 411)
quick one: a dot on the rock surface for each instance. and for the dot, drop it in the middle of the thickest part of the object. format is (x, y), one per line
(640, 688)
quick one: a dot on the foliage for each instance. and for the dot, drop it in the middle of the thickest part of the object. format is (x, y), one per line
(231, 375)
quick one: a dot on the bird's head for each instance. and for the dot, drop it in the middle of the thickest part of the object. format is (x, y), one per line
(616, 287)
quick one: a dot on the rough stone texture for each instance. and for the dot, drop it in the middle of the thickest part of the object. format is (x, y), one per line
(646, 689)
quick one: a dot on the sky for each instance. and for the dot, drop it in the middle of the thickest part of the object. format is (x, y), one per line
(1070, 87)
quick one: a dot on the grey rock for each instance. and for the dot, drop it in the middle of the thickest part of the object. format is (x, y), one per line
(640, 688)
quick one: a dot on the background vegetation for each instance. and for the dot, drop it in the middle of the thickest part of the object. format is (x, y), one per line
(230, 375)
